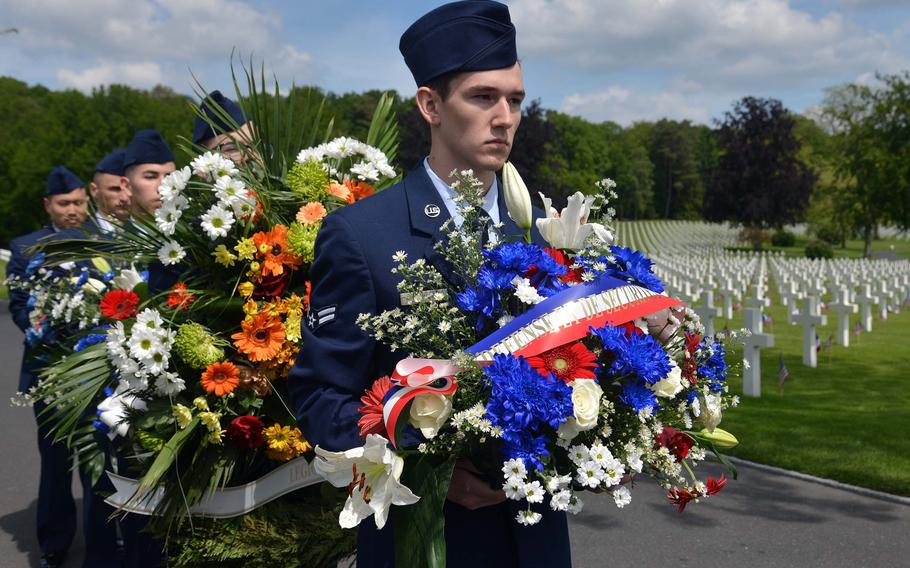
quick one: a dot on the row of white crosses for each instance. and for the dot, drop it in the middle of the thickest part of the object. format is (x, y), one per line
(853, 285)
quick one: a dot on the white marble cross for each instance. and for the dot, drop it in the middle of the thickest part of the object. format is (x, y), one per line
(758, 299)
(809, 318)
(844, 308)
(884, 295)
(707, 311)
(752, 346)
(729, 292)
(790, 297)
(866, 300)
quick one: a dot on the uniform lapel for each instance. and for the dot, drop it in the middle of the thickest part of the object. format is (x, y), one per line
(427, 214)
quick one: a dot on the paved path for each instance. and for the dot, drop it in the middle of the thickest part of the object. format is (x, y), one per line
(763, 519)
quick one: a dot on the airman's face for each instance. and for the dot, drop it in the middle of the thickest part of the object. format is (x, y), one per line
(476, 123)
(141, 183)
(67, 210)
(229, 144)
(111, 197)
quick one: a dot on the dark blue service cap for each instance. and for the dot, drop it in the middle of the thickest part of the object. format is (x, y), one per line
(147, 147)
(112, 163)
(202, 130)
(473, 35)
(61, 180)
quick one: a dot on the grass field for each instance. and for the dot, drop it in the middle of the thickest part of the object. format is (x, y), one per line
(4, 294)
(854, 248)
(848, 419)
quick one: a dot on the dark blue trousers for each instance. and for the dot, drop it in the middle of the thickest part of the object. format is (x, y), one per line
(57, 509)
(480, 538)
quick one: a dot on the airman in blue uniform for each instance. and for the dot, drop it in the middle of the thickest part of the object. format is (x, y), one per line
(463, 58)
(66, 204)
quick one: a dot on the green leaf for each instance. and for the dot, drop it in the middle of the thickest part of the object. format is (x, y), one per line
(420, 540)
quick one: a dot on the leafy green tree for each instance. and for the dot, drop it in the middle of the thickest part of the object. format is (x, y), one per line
(760, 180)
(678, 183)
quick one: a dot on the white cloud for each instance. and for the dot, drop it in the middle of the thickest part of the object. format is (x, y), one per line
(721, 44)
(142, 75)
(128, 42)
(625, 107)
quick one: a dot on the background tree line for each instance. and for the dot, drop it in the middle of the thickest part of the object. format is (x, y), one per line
(845, 171)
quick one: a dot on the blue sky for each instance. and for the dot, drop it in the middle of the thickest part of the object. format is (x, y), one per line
(620, 60)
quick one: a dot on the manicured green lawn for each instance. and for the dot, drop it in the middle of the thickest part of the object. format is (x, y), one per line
(854, 248)
(848, 419)
(3, 292)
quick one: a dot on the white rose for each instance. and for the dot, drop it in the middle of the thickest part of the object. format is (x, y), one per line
(429, 411)
(711, 412)
(669, 386)
(586, 395)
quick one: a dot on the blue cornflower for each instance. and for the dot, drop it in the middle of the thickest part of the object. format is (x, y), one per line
(713, 369)
(83, 278)
(634, 267)
(637, 395)
(635, 354)
(515, 256)
(34, 264)
(108, 276)
(545, 276)
(521, 402)
(89, 340)
(481, 301)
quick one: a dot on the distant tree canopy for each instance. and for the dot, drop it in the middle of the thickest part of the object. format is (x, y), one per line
(760, 179)
(757, 167)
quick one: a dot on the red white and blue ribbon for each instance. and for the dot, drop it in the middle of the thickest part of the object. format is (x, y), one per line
(413, 377)
(552, 323)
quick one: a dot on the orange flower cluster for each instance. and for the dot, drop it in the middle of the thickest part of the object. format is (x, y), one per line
(359, 190)
(178, 298)
(272, 252)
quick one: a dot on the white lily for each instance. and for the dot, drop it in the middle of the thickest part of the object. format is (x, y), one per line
(569, 229)
(371, 473)
(112, 410)
(127, 279)
(518, 200)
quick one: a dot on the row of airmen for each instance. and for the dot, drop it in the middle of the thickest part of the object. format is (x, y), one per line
(124, 183)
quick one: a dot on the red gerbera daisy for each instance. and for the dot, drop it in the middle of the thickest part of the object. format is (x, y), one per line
(179, 298)
(371, 421)
(567, 362)
(119, 304)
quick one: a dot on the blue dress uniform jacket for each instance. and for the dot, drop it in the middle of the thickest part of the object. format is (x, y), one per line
(56, 514)
(352, 274)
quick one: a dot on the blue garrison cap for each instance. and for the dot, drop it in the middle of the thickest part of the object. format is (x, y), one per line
(147, 147)
(61, 180)
(473, 35)
(112, 163)
(202, 130)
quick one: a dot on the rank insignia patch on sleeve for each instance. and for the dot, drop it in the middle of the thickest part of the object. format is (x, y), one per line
(317, 318)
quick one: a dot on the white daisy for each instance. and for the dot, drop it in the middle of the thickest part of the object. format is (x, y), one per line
(149, 320)
(534, 492)
(622, 496)
(528, 517)
(171, 253)
(169, 384)
(514, 488)
(515, 467)
(143, 344)
(217, 221)
(229, 189)
(559, 501)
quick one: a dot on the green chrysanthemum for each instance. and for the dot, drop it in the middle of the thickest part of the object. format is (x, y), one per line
(149, 441)
(302, 239)
(196, 346)
(309, 180)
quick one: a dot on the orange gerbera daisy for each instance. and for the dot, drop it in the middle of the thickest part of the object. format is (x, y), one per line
(273, 249)
(178, 298)
(341, 192)
(220, 379)
(311, 213)
(261, 338)
(360, 190)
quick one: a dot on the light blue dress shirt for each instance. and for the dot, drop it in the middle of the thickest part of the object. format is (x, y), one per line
(490, 201)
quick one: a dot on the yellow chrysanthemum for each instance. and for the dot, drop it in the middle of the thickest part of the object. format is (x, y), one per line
(246, 289)
(211, 420)
(294, 305)
(245, 248)
(250, 308)
(183, 415)
(283, 442)
(292, 327)
(200, 403)
(216, 437)
(223, 256)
